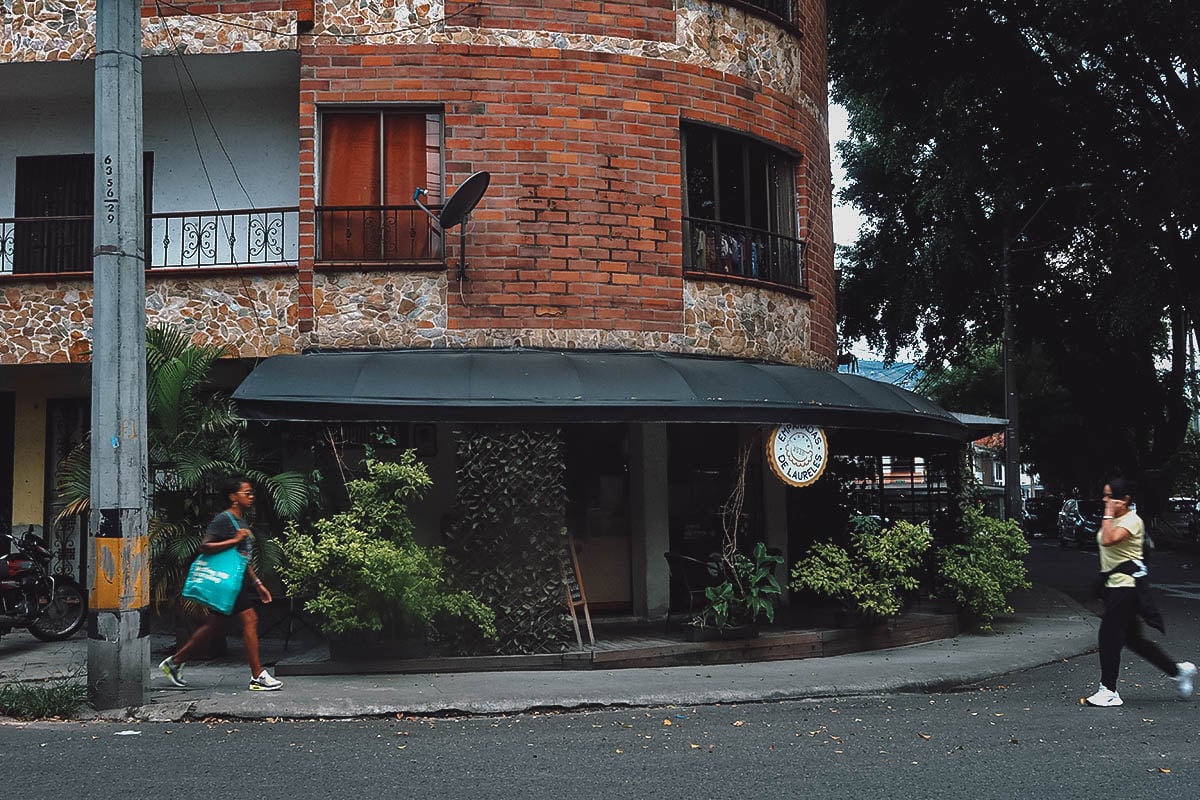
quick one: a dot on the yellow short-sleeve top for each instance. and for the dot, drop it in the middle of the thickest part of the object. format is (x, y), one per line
(1124, 550)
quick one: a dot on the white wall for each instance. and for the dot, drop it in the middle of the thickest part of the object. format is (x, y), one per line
(252, 99)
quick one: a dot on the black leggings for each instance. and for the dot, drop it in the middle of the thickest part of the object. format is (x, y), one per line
(1120, 627)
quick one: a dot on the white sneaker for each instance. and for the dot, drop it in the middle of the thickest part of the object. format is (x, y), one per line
(265, 683)
(174, 672)
(1186, 679)
(1104, 698)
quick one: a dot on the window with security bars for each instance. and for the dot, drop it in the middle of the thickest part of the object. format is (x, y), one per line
(740, 214)
(52, 229)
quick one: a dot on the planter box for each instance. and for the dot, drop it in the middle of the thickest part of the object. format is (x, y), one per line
(365, 648)
(697, 633)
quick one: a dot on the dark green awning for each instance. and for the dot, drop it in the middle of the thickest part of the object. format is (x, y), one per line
(535, 385)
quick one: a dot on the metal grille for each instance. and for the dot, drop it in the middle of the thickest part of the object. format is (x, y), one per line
(377, 234)
(778, 8)
(722, 248)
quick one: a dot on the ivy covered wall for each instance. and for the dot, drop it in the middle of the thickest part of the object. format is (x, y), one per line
(508, 541)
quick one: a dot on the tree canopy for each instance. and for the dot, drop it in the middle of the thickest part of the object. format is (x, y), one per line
(1060, 132)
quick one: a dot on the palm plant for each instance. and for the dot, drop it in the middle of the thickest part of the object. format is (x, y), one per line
(194, 439)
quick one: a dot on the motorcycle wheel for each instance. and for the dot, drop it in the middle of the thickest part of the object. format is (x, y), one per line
(65, 613)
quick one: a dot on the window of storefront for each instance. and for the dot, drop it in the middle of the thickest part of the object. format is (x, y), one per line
(598, 512)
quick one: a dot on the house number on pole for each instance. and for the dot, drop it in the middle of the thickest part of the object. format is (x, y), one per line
(798, 453)
(110, 191)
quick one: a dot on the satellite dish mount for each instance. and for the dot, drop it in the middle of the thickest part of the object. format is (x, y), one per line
(455, 212)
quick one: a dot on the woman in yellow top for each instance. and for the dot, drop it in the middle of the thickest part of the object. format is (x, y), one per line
(1121, 537)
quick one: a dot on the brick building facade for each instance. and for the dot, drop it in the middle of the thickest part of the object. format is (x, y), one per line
(659, 181)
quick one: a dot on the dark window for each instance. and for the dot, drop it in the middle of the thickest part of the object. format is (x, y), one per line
(56, 193)
(777, 8)
(740, 207)
(371, 164)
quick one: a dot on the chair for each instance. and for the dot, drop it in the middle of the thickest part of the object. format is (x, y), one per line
(694, 576)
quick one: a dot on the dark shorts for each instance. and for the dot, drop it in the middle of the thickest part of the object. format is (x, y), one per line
(247, 598)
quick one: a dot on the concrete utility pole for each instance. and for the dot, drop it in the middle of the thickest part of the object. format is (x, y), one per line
(118, 647)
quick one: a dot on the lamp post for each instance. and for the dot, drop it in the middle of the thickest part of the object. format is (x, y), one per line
(1012, 429)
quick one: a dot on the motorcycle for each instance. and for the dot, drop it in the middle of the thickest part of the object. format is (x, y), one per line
(51, 607)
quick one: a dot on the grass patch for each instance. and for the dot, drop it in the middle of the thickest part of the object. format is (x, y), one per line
(53, 698)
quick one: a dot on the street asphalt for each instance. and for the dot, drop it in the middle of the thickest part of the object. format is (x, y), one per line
(1047, 626)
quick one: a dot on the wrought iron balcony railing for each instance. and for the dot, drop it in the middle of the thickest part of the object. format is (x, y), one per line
(721, 248)
(376, 234)
(52, 245)
(222, 238)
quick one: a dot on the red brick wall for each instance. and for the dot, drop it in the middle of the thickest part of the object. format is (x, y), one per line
(581, 227)
(651, 19)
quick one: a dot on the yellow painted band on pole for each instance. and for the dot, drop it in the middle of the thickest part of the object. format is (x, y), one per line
(121, 579)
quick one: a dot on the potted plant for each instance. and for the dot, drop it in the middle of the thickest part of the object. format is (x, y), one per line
(749, 591)
(364, 571)
(870, 575)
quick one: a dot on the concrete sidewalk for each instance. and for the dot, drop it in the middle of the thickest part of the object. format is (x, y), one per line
(1047, 626)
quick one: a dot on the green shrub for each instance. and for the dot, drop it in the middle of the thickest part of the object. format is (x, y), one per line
(873, 572)
(364, 570)
(981, 572)
(55, 698)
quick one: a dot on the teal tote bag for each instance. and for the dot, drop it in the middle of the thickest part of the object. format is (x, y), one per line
(215, 579)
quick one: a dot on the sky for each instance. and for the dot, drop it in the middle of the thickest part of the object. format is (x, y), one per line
(846, 220)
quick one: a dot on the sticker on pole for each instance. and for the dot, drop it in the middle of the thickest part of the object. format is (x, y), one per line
(798, 453)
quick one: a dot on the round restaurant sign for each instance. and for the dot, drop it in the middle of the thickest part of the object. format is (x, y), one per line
(798, 453)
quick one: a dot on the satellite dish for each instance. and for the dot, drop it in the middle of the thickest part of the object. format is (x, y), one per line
(457, 209)
(464, 199)
(460, 204)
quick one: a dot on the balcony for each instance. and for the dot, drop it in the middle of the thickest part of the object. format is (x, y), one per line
(222, 239)
(373, 235)
(378, 235)
(175, 240)
(722, 249)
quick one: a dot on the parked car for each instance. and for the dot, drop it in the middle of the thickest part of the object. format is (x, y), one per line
(1176, 524)
(1078, 522)
(1040, 518)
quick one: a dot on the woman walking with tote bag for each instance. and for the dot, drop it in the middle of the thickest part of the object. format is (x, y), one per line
(228, 530)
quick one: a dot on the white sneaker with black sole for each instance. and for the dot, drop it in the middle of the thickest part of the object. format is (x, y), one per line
(265, 683)
(1104, 698)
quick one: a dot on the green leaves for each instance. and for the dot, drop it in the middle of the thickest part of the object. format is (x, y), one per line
(194, 440)
(873, 572)
(987, 567)
(363, 570)
(749, 593)
(956, 164)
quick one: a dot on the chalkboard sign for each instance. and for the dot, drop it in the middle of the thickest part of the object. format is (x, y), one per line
(576, 597)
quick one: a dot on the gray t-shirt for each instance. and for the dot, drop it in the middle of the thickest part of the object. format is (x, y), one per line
(224, 526)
